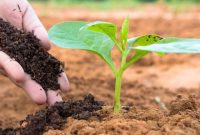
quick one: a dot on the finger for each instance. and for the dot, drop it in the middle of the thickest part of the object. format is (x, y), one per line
(63, 81)
(53, 97)
(11, 67)
(32, 23)
(34, 90)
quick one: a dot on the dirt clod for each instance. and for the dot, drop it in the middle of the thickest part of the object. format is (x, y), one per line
(25, 48)
(54, 117)
(181, 104)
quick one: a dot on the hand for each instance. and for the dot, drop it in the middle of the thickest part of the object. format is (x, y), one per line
(20, 14)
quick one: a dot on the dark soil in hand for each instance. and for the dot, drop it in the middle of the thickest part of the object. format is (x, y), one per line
(55, 117)
(25, 48)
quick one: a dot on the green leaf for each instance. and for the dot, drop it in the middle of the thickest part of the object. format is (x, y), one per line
(146, 40)
(68, 35)
(131, 41)
(140, 41)
(124, 32)
(173, 45)
(103, 27)
(143, 41)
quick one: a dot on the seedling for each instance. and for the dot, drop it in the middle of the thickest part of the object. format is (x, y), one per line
(100, 38)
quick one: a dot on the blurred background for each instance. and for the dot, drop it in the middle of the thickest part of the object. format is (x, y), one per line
(110, 4)
(116, 10)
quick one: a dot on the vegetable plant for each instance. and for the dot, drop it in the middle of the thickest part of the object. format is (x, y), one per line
(100, 37)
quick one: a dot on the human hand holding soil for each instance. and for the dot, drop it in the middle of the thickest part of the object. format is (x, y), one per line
(20, 14)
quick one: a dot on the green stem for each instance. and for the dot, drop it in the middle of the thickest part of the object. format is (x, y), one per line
(118, 83)
(113, 69)
(133, 60)
(118, 46)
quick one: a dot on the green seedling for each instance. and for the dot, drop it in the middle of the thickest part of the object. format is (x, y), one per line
(100, 38)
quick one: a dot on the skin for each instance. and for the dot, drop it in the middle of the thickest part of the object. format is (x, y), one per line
(20, 14)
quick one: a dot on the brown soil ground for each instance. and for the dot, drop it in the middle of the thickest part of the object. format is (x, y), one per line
(151, 78)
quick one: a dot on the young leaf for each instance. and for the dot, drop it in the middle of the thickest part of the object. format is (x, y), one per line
(173, 45)
(124, 31)
(68, 35)
(146, 40)
(141, 41)
(103, 27)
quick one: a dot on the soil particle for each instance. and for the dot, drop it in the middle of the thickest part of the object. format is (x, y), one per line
(25, 48)
(54, 117)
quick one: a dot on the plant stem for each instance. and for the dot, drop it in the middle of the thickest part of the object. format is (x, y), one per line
(133, 60)
(118, 83)
(118, 46)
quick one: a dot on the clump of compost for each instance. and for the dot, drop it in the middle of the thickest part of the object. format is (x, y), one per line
(54, 117)
(25, 48)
